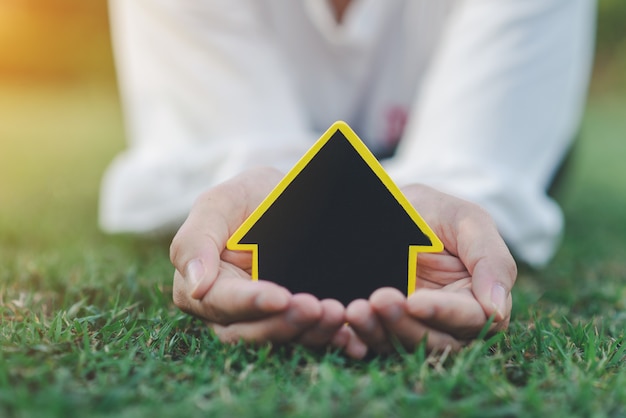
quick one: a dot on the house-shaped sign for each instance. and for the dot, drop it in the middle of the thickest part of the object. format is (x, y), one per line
(336, 225)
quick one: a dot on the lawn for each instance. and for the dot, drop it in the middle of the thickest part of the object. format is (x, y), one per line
(87, 327)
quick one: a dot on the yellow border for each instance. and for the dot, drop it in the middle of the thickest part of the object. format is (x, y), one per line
(377, 168)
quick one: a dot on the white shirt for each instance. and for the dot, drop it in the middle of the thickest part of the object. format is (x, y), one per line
(491, 92)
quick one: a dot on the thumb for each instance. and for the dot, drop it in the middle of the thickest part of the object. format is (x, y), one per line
(197, 248)
(196, 257)
(492, 281)
(487, 258)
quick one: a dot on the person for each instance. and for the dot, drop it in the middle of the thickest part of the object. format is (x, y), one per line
(472, 101)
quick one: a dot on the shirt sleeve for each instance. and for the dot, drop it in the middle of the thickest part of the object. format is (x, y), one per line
(499, 109)
(205, 95)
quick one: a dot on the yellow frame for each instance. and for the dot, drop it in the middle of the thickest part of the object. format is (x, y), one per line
(375, 166)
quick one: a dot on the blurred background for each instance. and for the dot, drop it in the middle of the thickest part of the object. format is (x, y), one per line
(60, 121)
(60, 41)
(54, 40)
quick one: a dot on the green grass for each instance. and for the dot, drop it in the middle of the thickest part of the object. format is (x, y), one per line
(87, 327)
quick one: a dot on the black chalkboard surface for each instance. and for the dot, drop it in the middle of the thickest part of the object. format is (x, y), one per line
(336, 226)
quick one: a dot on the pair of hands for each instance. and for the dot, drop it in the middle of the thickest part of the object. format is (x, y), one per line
(457, 290)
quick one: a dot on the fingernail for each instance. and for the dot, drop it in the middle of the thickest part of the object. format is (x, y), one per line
(394, 312)
(341, 338)
(357, 350)
(194, 272)
(299, 318)
(370, 325)
(294, 318)
(274, 301)
(498, 298)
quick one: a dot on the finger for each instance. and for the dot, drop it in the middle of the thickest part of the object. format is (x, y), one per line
(331, 320)
(492, 281)
(346, 339)
(304, 312)
(199, 272)
(488, 260)
(389, 304)
(367, 326)
(435, 270)
(195, 250)
(455, 313)
(234, 299)
(196, 247)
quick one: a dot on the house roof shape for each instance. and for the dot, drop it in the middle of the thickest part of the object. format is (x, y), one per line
(336, 225)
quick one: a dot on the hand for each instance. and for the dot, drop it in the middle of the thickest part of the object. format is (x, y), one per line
(214, 283)
(457, 290)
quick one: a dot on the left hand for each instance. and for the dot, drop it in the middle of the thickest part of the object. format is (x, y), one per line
(214, 283)
(457, 290)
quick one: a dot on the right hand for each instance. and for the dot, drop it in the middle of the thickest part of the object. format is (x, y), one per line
(214, 283)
